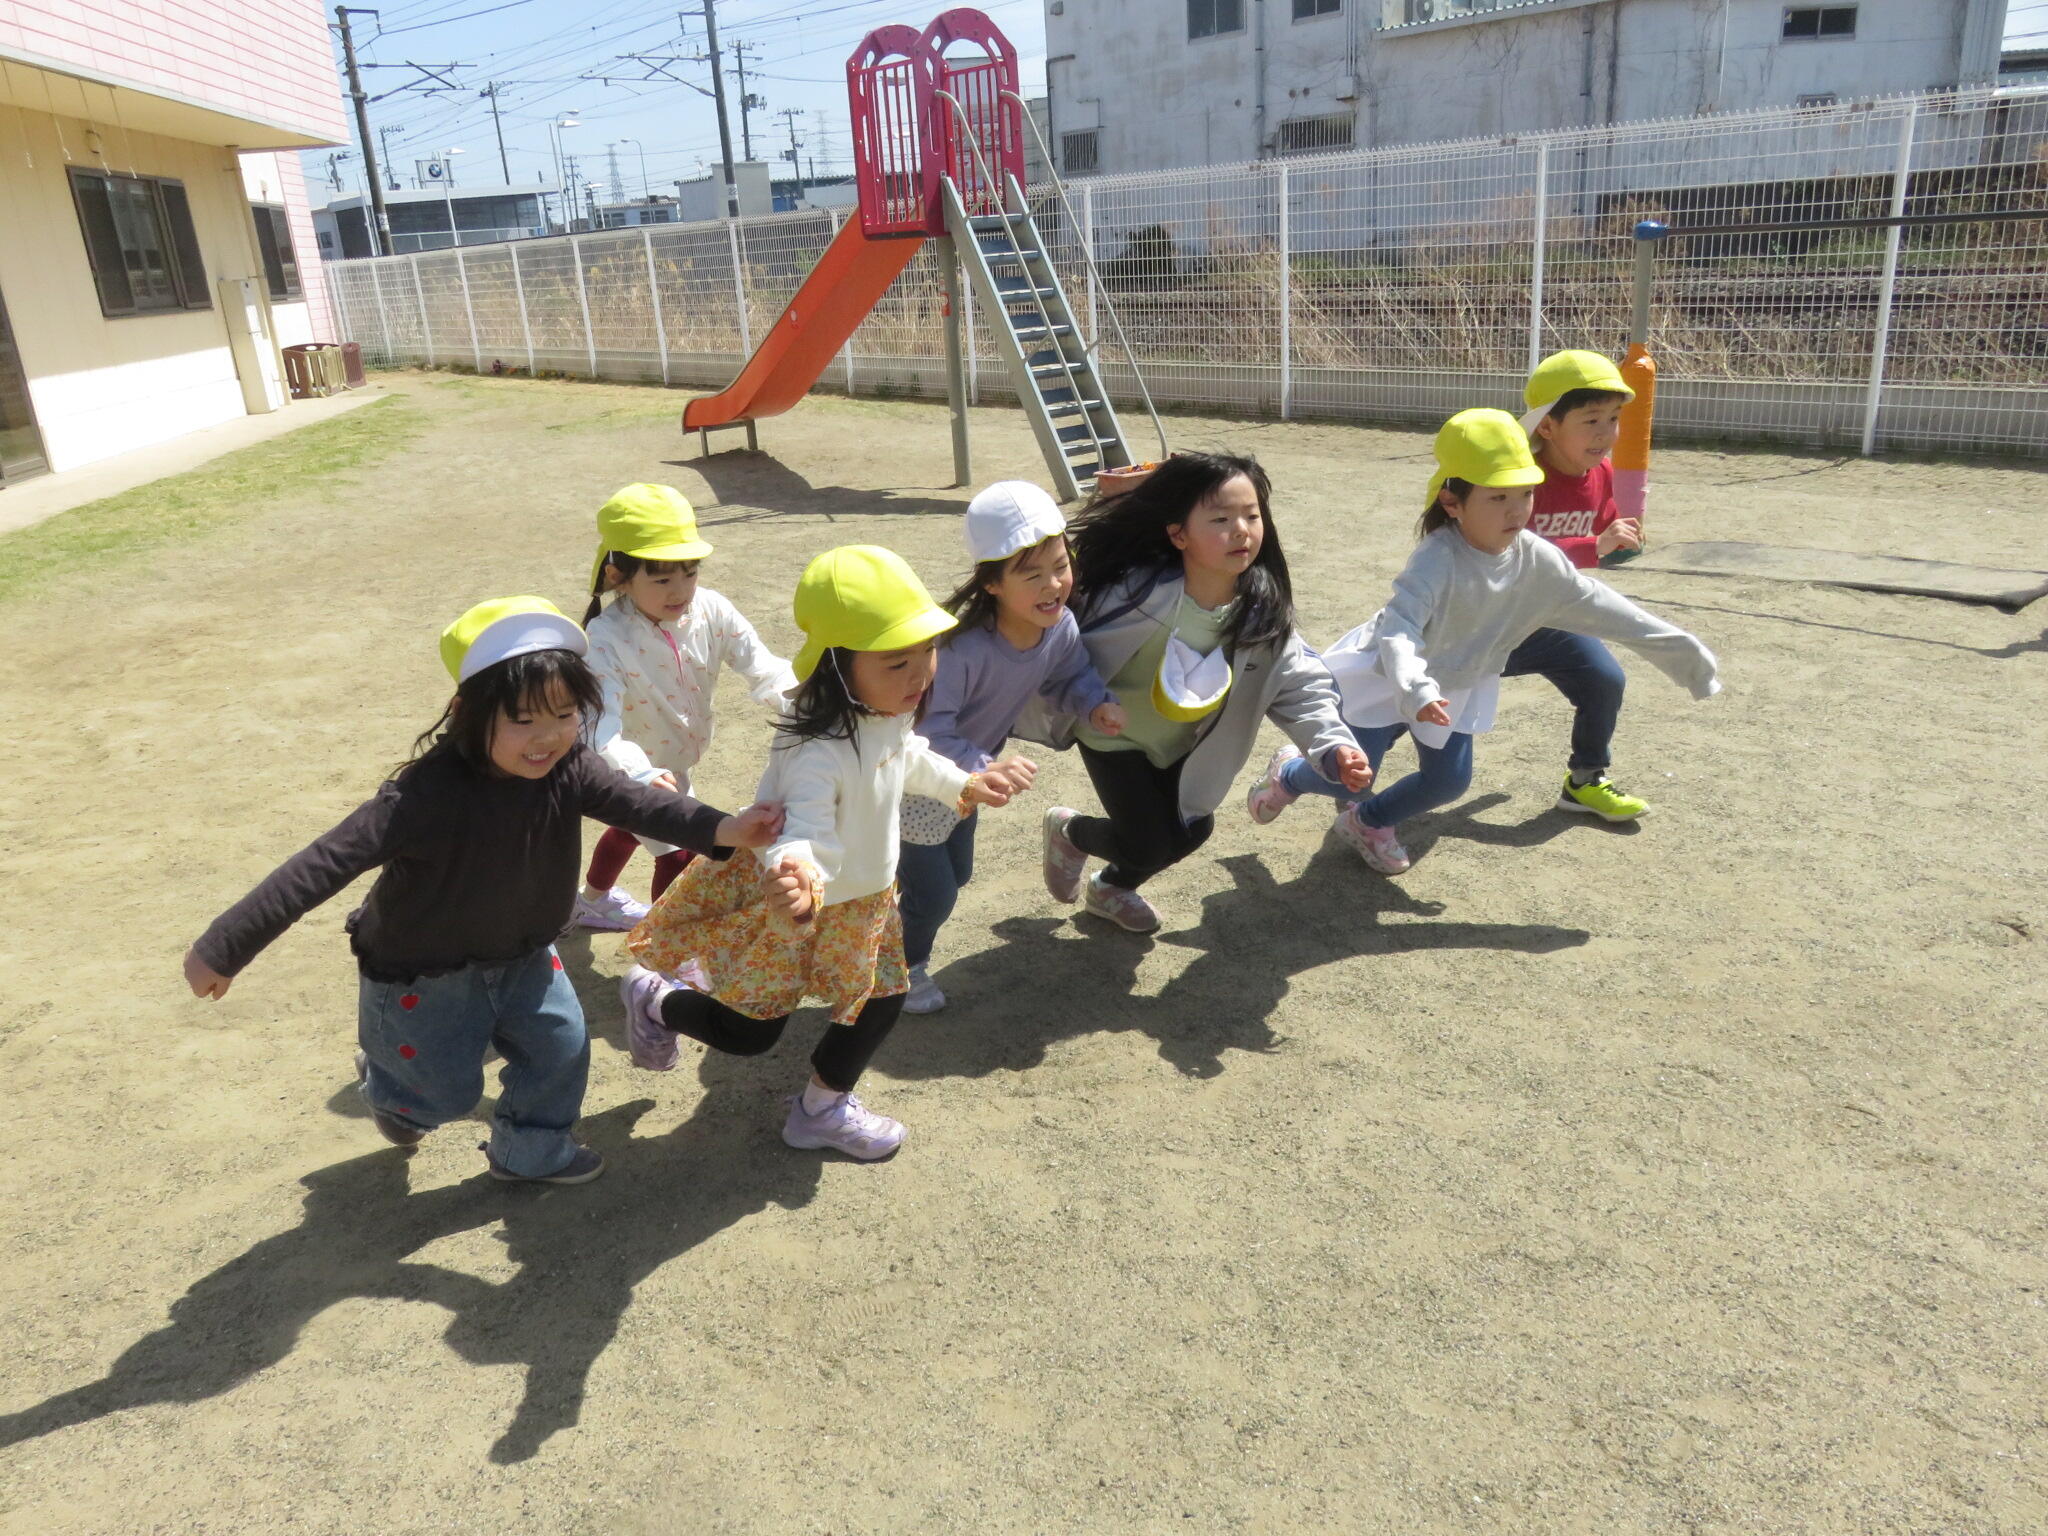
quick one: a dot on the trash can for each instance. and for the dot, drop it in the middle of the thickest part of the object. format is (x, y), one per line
(352, 364)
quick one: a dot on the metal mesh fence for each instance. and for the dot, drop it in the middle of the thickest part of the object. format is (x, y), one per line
(1392, 285)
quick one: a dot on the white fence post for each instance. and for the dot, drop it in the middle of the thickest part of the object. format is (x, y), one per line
(1286, 305)
(1873, 398)
(845, 352)
(1088, 246)
(476, 347)
(583, 302)
(739, 289)
(654, 293)
(1536, 256)
(525, 325)
(419, 294)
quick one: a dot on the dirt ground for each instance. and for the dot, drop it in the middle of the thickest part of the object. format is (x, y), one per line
(1683, 1178)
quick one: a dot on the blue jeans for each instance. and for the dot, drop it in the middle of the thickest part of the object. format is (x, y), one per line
(425, 1040)
(1444, 773)
(928, 881)
(1586, 673)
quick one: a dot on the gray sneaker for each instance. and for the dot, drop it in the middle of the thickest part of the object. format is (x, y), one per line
(925, 996)
(1127, 909)
(1063, 862)
(585, 1165)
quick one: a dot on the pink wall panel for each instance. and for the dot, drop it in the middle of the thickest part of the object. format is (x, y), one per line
(265, 59)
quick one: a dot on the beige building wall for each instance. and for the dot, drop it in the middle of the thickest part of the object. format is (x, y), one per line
(101, 385)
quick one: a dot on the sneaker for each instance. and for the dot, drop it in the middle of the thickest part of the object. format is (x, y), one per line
(1601, 798)
(1376, 845)
(613, 912)
(925, 996)
(1062, 862)
(1269, 797)
(1127, 909)
(395, 1130)
(651, 1043)
(585, 1165)
(846, 1125)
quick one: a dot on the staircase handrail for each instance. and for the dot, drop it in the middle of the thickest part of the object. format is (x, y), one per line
(1088, 255)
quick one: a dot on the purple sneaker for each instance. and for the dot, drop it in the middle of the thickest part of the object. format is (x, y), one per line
(651, 1043)
(1062, 862)
(845, 1125)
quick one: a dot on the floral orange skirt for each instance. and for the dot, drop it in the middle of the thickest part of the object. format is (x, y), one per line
(716, 914)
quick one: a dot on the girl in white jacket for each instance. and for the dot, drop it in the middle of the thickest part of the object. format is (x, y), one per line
(1429, 663)
(657, 649)
(816, 917)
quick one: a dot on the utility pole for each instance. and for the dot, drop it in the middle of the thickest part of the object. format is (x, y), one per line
(380, 232)
(732, 186)
(789, 115)
(384, 145)
(748, 102)
(490, 94)
(569, 181)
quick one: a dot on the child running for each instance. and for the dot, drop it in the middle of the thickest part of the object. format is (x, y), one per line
(817, 918)
(1016, 641)
(656, 651)
(1574, 402)
(1186, 608)
(477, 837)
(1430, 662)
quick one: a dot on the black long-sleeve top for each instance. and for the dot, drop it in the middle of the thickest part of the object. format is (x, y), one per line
(476, 869)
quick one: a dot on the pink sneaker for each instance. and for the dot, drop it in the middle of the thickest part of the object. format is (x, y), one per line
(1376, 845)
(1269, 797)
(1062, 862)
(1127, 909)
(650, 1043)
(845, 1125)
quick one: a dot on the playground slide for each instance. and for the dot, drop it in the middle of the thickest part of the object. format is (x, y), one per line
(850, 278)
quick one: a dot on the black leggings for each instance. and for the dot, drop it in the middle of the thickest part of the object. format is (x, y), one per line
(1141, 832)
(839, 1060)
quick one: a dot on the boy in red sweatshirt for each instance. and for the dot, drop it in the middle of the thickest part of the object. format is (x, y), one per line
(1574, 402)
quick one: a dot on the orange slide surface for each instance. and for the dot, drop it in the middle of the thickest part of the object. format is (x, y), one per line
(848, 281)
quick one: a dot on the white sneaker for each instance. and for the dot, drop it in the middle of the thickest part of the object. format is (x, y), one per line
(1376, 845)
(1269, 797)
(613, 912)
(1127, 909)
(846, 1125)
(925, 996)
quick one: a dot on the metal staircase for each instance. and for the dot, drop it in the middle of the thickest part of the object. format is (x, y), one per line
(1051, 365)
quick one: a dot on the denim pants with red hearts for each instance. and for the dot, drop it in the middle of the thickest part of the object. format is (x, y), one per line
(425, 1040)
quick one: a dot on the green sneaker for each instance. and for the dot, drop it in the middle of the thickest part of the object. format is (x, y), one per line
(1600, 798)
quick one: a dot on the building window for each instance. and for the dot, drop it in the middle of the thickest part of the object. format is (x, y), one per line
(140, 241)
(1305, 10)
(280, 261)
(1317, 135)
(1080, 153)
(1811, 21)
(1213, 18)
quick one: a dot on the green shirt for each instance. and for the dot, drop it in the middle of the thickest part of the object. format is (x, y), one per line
(1163, 741)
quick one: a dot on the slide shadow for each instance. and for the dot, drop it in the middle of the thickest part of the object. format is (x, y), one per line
(753, 487)
(1254, 935)
(580, 1254)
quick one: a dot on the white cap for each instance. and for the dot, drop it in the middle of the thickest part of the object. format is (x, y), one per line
(1010, 515)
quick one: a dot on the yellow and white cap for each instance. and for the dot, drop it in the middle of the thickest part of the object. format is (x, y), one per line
(506, 627)
(1188, 686)
(863, 598)
(1561, 373)
(1483, 447)
(649, 522)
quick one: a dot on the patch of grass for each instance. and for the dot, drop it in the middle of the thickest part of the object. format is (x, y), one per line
(183, 506)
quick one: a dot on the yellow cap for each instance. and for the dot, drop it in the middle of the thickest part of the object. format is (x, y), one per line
(1486, 448)
(651, 522)
(503, 628)
(1561, 373)
(864, 598)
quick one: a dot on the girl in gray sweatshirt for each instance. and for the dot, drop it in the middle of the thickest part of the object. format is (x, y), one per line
(1429, 663)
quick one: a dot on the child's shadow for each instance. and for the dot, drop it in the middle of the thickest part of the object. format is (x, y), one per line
(1461, 824)
(1254, 936)
(581, 1252)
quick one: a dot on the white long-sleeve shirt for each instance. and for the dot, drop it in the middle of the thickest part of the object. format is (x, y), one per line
(658, 681)
(1457, 612)
(842, 799)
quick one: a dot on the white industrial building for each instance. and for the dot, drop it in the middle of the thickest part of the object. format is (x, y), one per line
(1141, 85)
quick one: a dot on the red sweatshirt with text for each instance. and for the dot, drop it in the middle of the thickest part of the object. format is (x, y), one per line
(1572, 511)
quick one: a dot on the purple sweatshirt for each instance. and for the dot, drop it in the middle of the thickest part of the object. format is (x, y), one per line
(984, 682)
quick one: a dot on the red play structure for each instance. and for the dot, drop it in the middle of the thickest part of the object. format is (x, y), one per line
(938, 131)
